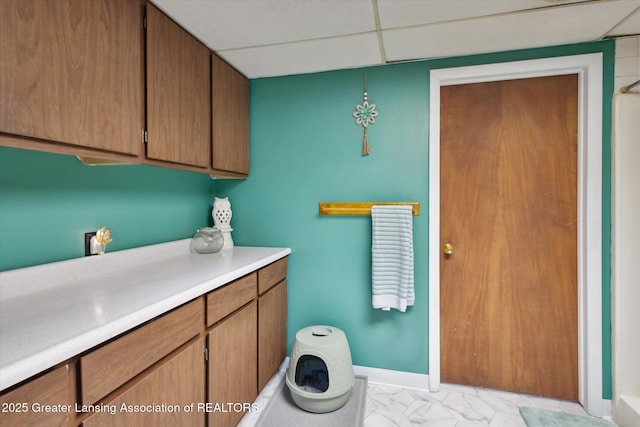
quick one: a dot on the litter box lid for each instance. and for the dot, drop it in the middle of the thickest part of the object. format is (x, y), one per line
(320, 336)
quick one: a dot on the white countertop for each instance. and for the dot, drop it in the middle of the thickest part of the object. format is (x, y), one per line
(52, 312)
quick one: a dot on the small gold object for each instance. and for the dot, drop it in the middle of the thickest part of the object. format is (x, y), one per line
(98, 242)
(103, 235)
(448, 248)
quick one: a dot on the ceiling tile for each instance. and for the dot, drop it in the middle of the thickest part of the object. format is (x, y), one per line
(629, 26)
(281, 37)
(402, 13)
(305, 57)
(545, 27)
(229, 24)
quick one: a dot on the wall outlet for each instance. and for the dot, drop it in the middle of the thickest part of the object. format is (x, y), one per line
(87, 243)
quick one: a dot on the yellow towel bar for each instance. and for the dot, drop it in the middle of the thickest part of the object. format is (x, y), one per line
(359, 208)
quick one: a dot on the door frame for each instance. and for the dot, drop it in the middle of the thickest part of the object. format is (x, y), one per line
(588, 67)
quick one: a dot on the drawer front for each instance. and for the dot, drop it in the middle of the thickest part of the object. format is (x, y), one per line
(180, 381)
(271, 275)
(108, 367)
(227, 299)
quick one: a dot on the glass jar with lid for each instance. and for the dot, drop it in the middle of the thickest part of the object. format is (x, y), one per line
(207, 240)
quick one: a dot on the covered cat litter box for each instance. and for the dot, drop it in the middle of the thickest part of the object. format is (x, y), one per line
(320, 375)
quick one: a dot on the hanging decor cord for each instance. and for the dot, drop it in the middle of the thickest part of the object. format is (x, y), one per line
(365, 115)
(365, 141)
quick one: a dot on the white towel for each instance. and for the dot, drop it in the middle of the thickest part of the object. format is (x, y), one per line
(392, 257)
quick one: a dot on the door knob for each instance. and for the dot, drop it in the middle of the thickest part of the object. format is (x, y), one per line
(448, 248)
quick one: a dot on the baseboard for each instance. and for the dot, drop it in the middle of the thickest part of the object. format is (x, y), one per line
(627, 411)
(607, 413)
(384, 376)
(394, 378)
(413, 381)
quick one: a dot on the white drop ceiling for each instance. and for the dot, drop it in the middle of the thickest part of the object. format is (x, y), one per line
(264, 38)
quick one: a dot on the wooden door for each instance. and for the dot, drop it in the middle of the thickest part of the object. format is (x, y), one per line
(509, 209)
(178, 93)
(73, 72)
(233, 364)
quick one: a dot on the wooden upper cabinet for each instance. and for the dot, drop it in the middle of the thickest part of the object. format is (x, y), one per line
(230, 118)
(73, 72)
(178, 94)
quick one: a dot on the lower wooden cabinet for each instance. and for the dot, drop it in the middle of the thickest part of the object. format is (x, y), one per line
(233, 366)
(48, 400)
(150, 376)
(160, 398)
(272, 332)
(246, 347)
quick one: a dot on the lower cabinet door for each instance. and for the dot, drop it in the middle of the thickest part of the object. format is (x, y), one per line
(45, 401)
(233, 348)
(164, 397)
(272, 330)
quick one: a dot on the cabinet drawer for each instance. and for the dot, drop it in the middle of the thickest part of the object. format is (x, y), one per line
(105, 369)
(226, 300)
(271, 275)
(178, 382)
(56, 388)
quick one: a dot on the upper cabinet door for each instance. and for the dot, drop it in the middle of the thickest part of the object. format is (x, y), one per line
(73, 72)
(178, 94)
(230, 118)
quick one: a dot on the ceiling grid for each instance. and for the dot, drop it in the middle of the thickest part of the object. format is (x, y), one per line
(264, 38)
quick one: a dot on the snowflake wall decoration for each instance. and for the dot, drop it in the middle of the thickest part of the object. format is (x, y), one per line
(365, 115)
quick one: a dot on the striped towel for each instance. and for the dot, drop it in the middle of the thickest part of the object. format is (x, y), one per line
(392, 257)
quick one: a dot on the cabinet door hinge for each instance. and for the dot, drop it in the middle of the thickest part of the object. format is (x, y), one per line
(144, 23)
(206, 354)
(144, 136)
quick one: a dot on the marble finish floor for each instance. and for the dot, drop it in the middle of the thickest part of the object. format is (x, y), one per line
(452, 406)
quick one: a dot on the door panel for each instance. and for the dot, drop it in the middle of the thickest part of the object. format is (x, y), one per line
(73, 72)
(509, 209)
(178, 93)
(233, 364)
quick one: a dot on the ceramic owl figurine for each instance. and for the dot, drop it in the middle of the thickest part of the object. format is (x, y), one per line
(222, 214)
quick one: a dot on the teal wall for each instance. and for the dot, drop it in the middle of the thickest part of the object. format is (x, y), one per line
(306, 149)
(48, 201)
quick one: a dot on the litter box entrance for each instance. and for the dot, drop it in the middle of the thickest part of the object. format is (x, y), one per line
(312, 374)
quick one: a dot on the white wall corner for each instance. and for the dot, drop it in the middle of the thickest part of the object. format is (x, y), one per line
(606, 409)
